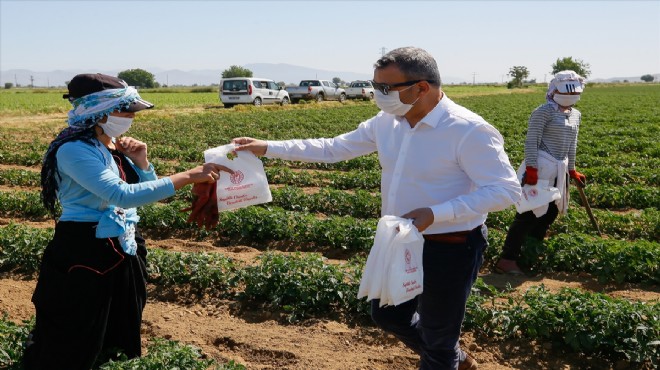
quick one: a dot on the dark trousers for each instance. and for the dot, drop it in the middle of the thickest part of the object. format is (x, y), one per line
(527, 224)
(449, 272)
(89, 297)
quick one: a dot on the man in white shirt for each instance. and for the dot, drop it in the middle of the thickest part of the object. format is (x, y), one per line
(442, 166)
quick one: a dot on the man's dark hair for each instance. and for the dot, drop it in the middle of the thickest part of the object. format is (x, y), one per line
(415, 63)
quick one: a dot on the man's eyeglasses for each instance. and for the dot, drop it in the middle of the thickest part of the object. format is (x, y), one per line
(385, 88)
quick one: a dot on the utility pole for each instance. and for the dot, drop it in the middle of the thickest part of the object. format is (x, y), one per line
(473, 75)
(15, 80)
(31, 81)
(382, 51)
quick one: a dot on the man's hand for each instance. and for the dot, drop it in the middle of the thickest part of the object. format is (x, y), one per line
(422, 218)
(257, 147)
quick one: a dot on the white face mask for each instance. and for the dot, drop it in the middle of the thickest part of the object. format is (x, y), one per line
(116, 126)
(565, 100)
(391, 103)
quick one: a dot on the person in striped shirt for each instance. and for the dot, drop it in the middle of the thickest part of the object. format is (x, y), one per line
(550, 150)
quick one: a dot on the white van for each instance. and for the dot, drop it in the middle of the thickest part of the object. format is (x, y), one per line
(251, 90)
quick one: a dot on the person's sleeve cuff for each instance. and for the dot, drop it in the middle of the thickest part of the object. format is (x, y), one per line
(442, 212)
(147, 175)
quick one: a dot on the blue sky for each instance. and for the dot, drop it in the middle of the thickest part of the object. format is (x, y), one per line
(469, 39)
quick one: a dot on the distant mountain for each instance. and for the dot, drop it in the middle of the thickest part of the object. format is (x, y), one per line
(290, 74)
(656, 77)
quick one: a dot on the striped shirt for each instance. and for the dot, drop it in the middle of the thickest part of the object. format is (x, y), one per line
(552, 131)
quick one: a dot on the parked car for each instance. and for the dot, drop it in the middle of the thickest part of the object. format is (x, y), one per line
(360, 90)
(318, 90)
(251, 90)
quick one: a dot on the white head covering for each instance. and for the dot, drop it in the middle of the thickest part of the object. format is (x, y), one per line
(565, 82)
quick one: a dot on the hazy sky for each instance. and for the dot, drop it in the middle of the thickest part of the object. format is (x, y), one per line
(484, 38)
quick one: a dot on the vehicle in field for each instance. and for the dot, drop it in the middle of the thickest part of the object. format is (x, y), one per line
(360, 90)
(251, 90)
(318, 90)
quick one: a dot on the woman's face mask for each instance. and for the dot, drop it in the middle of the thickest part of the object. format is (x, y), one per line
(116, 126)
(565, 100)
(391, 103)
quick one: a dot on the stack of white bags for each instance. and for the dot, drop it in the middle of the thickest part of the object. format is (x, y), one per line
(393, 272)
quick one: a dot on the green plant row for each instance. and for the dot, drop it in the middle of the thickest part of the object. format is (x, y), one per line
(588, 323)
(600, 196)
(638, 224)
(161, 353)
(19, 177)
(621, 197)
(299, 286)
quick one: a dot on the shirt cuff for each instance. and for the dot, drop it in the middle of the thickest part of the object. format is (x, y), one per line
(443, 212)
(274, 148)
(148, 174)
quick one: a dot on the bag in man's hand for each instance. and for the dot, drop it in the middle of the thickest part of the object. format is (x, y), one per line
(248, 184)
(393, 272)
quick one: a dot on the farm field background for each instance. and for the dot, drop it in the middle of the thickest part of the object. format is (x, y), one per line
(274, 286)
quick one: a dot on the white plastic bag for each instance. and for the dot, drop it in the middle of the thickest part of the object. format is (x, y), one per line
(535, 196)
(405, 276)
(247, 186)
(393, 272)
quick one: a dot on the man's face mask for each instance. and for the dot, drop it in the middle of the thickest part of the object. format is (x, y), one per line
(391, 103)
(565, 100)
(116, 126)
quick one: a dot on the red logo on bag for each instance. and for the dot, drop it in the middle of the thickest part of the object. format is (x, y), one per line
(533, 192)
(237, 177)
(409, 265)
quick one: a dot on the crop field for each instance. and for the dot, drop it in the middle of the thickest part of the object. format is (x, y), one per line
(274, 286)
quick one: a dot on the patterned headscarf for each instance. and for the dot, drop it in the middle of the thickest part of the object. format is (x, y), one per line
(87, 111)
(560, 81)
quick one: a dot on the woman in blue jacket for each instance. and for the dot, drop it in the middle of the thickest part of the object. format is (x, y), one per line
(92, 283)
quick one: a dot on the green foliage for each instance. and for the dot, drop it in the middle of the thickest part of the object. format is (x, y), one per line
(301, 285)
(645, 78)
(589, 323)
(18, 177)
(138, 77)
(236, 71)
(167, 354)
(568, 63)
(519, 73)
(12, 337)
(21, 247)
(201, 271)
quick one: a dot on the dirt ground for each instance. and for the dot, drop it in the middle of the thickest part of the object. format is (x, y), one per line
(259, 341)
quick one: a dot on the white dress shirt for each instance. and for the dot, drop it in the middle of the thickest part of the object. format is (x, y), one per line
(452, 161)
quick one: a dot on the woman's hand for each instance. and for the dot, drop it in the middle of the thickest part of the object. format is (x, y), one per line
(257, 147)
(135, 150)
(208, 172)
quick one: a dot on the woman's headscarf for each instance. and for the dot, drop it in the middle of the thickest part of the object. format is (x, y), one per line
(566, 82)
(109, 94)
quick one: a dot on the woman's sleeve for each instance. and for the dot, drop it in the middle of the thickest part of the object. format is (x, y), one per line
(535, 128)
(85, 165)
(572, 150)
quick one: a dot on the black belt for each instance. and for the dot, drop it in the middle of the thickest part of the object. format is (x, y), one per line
(456, 237)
